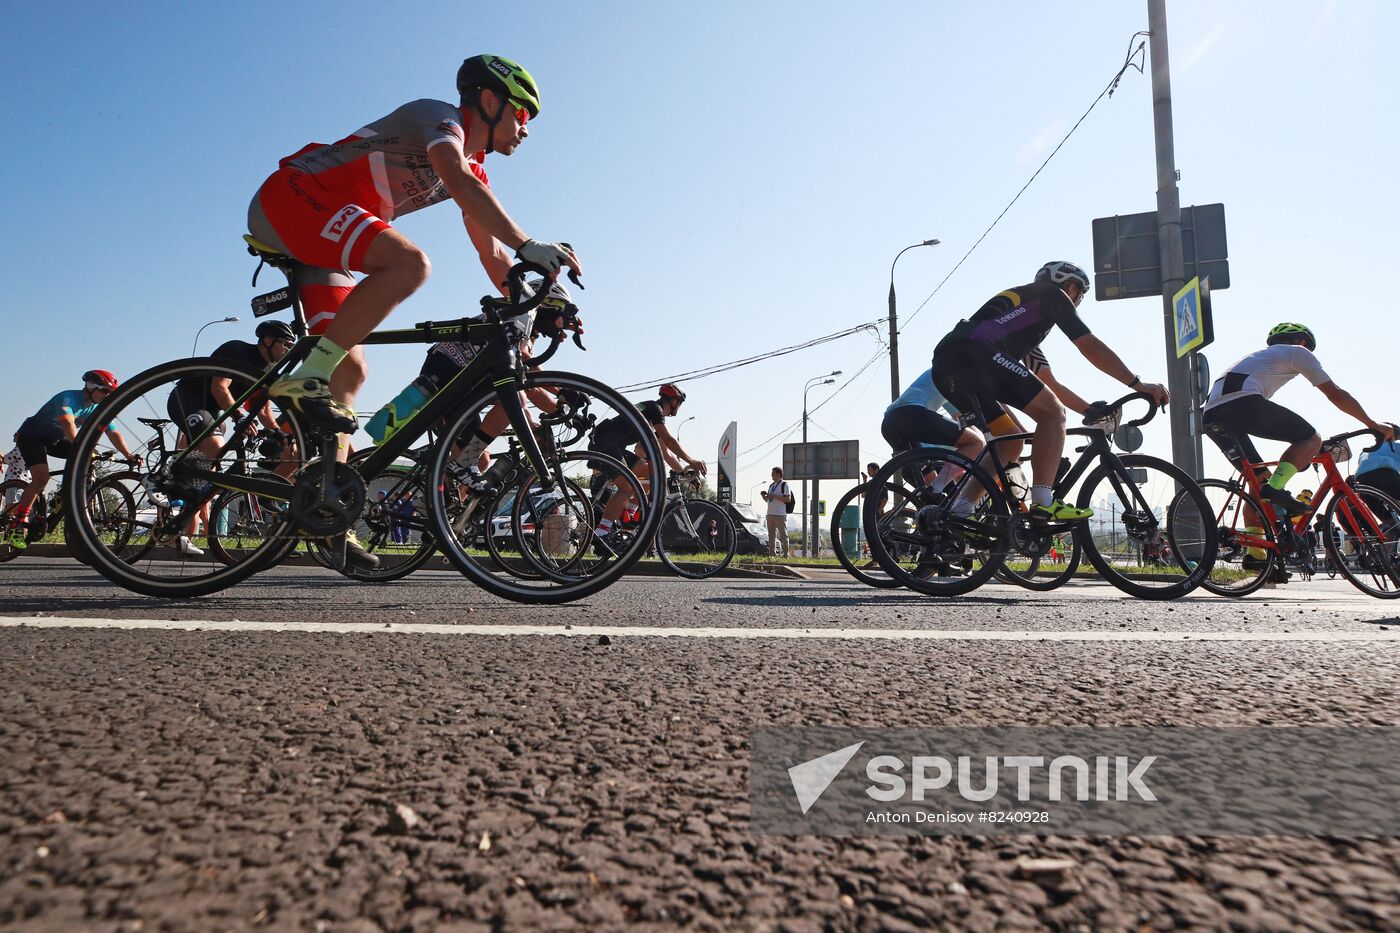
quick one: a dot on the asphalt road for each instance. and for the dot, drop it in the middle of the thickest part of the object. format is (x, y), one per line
(420, 756)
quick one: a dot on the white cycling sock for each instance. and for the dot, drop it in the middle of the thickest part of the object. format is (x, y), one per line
(964, 504)
(1042, 495)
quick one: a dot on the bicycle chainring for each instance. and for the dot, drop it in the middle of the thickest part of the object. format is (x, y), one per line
(1030, 538)
(324, 512)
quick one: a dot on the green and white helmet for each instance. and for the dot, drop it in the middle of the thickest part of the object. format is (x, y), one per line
(501, 75)
(1287, 332)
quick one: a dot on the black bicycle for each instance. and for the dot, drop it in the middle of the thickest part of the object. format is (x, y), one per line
(955, 538)
(323, 498)
(110, 504)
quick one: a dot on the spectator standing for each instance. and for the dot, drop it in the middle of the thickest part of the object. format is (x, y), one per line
(779, 498)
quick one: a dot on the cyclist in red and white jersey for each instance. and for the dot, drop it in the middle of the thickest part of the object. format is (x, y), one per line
(330, 206)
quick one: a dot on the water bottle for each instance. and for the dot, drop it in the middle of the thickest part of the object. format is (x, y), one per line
(1016, 479)
(392, 416)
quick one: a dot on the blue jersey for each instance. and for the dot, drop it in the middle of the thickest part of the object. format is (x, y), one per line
(924, 393)
(44, 422)
(1384, 457)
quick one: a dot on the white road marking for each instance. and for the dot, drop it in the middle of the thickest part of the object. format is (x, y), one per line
(653, 631)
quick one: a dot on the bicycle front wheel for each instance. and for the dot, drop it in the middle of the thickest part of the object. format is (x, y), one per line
(588, 403)
(1362, 536)
(1135, 539)
(696, 538)
(942, 542)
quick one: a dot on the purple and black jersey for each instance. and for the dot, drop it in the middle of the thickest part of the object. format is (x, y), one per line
(1018, 319)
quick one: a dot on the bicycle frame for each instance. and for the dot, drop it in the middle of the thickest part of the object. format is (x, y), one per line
(497, 356)
(1333, 484)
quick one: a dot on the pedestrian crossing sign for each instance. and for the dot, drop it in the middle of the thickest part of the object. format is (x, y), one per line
(1192, 317)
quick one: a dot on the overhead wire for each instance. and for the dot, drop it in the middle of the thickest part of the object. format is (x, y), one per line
(1108, 90)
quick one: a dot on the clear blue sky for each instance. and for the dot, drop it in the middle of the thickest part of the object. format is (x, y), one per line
(735, 177)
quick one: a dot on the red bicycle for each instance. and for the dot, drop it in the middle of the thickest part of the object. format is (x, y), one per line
(1359, 528)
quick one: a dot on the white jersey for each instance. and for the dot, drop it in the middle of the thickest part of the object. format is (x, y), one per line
(777, 498)
(1266, 371)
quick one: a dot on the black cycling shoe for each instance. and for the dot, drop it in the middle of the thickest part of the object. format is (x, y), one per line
(1251, 562)
(355, 553)
(1281, 500)
(311, 398)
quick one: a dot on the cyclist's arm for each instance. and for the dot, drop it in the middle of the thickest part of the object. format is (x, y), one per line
(544, 400)
(1347, 403)
(495, 258)
(1064, 393)
(1107, 362)
(119, 442)
(479, 206)
(668, 442)
(221, 391)
(68, 425)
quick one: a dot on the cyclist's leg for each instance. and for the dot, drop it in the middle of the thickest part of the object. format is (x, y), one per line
(35, 451)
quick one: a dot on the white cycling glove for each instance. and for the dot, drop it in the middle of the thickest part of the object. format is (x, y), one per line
(551, 256)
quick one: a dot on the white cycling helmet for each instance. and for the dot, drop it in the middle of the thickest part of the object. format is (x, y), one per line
(558, 294)
(1061, 272)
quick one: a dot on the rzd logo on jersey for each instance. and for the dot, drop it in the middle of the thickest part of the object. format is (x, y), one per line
(335, 228)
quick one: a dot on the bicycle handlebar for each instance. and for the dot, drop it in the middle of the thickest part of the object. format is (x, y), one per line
(1117, 406)
(1338, 438)
(556, 334)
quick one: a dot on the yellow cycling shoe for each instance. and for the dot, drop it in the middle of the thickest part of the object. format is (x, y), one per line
(311, 398)
(1060, 511)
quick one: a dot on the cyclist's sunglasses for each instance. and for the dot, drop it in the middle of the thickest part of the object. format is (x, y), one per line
(522, 113)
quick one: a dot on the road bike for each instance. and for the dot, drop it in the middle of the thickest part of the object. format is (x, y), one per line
(110, 504)
(956, 537)
(695, 538)
(1360, 527)
(324, 498)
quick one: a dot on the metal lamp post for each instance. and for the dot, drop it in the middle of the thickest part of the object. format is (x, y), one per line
(894, 327)
(678, 429)
(814, 381)
(222, 320)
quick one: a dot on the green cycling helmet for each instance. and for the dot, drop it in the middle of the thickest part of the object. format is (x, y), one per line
(501, 75)
(1284, 333)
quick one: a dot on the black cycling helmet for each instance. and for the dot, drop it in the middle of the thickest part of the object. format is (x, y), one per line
(1288, 333)
(274, 331)
(1061, 272)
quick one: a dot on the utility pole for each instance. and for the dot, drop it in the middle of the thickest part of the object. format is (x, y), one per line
(895, 388)
(1186, 445)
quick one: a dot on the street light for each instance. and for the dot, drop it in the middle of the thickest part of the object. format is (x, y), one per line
(678, 429)
(814, 381)
(222, 320)
(894, 328)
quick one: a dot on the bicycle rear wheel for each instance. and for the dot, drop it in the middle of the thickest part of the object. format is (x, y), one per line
(1240, 526)
(870, 576)
(240, 523)
(696, 538)
(148, 562)
(1135, 540)
(1363, 542)
(1043, 572)
(925, 542)
(394, 526)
